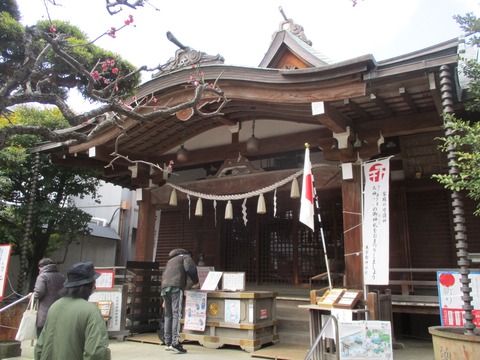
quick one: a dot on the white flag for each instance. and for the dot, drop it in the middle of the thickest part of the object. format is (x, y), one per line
(306, 204)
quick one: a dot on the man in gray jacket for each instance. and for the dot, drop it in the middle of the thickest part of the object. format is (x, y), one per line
(174, 281)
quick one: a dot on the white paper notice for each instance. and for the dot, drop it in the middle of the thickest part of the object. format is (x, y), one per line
(234, 281)
(211, 282)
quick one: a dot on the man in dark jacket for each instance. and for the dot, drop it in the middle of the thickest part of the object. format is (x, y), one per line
(174, 281)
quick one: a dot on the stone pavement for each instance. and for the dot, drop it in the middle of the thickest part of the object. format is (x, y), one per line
(131, 350)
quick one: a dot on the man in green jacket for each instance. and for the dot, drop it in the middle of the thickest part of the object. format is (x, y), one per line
(74, 329)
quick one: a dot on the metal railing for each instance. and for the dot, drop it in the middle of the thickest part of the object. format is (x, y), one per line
(320, 335)
(4, 326)
(16, 302)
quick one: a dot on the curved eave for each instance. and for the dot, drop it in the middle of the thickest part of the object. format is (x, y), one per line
(278, 90)
(225, 73)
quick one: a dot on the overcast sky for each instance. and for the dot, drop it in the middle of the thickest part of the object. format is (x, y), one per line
(241, 31)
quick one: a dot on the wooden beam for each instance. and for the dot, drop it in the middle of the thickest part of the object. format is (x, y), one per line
(357, 109)
(333, 119)
(403, 125)
(268, 146)
(408, 99)
(115, 172)
(225, 120)
(435, 92)
(382, 105)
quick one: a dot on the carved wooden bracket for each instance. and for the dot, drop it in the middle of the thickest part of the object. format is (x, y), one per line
(237, 166)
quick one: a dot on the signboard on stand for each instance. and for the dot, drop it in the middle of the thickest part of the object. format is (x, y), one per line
(450, 297)
(4, 259)
(115, 296)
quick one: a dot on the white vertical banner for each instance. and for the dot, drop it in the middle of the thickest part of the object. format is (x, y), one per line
(375, 227)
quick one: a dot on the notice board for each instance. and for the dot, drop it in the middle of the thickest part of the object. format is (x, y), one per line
(450, 297)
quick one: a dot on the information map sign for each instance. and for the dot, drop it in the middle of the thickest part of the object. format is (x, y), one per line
(365, 340)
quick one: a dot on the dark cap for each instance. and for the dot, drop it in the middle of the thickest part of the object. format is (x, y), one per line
(45, 261)
(81, 274)
(176, 252)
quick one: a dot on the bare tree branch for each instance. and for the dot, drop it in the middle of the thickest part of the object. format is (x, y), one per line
(35, 80)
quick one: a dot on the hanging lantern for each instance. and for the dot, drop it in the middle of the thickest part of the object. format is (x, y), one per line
(295, 191)
(182, 154)
(229, 211)
(173, 198)
(261, 208)
(199, 208)
(253, 144)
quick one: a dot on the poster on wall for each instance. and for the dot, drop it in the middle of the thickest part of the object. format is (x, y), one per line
(106, 279)
(4, 259)
(195, 311)
(365, 340)
(375, 226)
(232, 311)
(450, 297)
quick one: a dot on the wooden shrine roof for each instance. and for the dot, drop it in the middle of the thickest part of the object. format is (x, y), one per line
(398, 96)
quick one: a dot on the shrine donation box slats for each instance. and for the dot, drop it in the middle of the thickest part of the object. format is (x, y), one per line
(243, 318)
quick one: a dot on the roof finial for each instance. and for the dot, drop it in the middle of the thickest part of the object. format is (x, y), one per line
(174, 40)
(293, 28)
(283, 14)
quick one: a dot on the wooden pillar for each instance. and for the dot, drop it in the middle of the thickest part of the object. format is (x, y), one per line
(352, 219)
(145, 228)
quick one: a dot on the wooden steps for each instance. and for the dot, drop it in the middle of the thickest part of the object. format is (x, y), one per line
(292, 323)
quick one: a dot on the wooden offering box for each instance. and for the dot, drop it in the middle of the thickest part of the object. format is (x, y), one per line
(250, 326)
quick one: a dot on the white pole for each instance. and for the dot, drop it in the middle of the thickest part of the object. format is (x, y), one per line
(322, 234)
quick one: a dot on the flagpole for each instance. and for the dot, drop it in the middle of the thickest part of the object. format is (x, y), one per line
(322, 235)
(307, 146)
